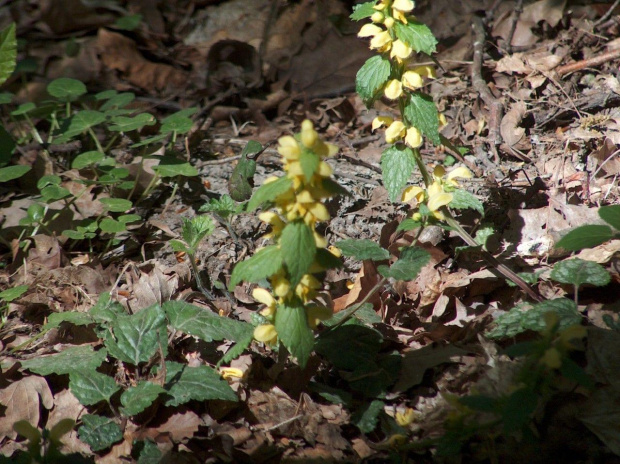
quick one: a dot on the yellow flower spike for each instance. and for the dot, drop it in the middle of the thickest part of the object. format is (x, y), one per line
(412, 80)
(395, 132)
(405, 418)
(413, 137)
(552, 358)
(332, 149)
(380, 121)
(316, 314)
(380, 6)
(413, 192)
(400, 50)
(393, 89)
(294, 169)
(369, 30)
(381, 41)
(231, 373)
(289, 148)
(460, 172)
(426, 71)
(310, 281)
(266, 333)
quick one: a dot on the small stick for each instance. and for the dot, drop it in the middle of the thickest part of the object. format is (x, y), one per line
(591, 62)
(513, 27)
(607, 15)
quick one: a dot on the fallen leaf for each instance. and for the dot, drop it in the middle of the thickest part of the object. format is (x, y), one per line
(23, 400)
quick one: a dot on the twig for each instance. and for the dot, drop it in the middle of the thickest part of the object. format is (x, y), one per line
(607, 15)
(496, 109)
(513, 27)
(591, 62)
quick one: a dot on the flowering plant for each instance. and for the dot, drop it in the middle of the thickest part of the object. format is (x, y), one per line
(291, 309)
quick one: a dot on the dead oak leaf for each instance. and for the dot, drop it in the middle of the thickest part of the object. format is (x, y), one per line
(23, 400)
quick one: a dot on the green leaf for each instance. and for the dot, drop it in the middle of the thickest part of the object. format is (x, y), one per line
(91, 387)
(49, 179)
(86, 159)
(178, 124)
(8, 52)
(200, 383)
(150, 140)
(366, 314)
(7, 146)
(11, 294)
(73, 317)
(125, 124)
(349, 346)
(224, 206)
(106, 310)
(24, 108)
(367, 416)
(298, 249)
(169, 166)
(204, 324)
(116, 101)
(116, 205)
(421, 113)
(408, 224)
(462, 199)
(6, 97)
(479, 402)
(242, 178)
(611, 215)
(293, 330)
(137, 399)
(179, 246)
(363, 10)
(99, 432)
(111, 226)
(334, 188)
(13, 172)
(578, 272)
(66, 89)
(269, 192)
(81, 122)
(408, 266)
(417, 35)
(180, 115)
(517, 409)
(327, 260)
(363, 249)
(585, 237)
(54, 192)
(149, 452)
(129, 22)
(136, 337)
(397, 164)
(264, 263)
(309, 162)
(127, 218)
(81, 358)
(195, 229)
(519, 319)
(371, 78)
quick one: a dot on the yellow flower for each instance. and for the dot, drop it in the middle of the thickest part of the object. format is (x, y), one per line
(289, 148)
(281, 285)
(229, 373)
(381, 42)
(369, 30)
(316, 314)
(405, 418)
(377, 17)
(306, 288)
(460, 172)
(413, 137)
(413, 192)
(412, 80)
(335, 251)
(319, 240)
(552, 358)
(400, 50)
(274, 220)
(425, 71)
(400, 7)
(389, 22)
(396, 131)
(381, 121)
(442, 120)
(263, 296)
(266, 333)
(393, 89)
(437, 198)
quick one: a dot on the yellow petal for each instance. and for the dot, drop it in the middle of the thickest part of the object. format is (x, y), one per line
(263, 296)
(377, 17)
(325, 170)
(335, 251)
(405, 418)
(426, 71)
(437, 201)
(319, 240)
(281, 286)
(395, 132)
(461, 172)
(442, 120)
(435, 188)
(439, 172)
(380, 40)
(309, 137)
(319, 211)
(389, 23)
(288, 147)
(332, 149)
(412, 192)
(307, 125)
(305, 197)
(266, 333)
(552, 358)
(400, 50)
(412, 80)
(369, 30)
(381, 121)
(393, 89)
(231, 373)
(403, 5)
(294, 169)
(413, 137)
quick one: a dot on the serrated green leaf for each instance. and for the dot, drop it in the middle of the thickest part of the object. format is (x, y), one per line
(137, 337)
(408, 266)
(264, 263)
(578, 272)
(293, 330)
(611, 215)
(169, 166)
(66, 89)
(81, 358)
(363, 249)
(408, 224)
(195, 229)
(251, 148)
(298, 249)
(179, 246)
(91, 387)
(267, 193)
(371, 78)
(8, 52)
(13, 172)
(309, 162)
(238, 349)
(363, 10)
(106, 310)
(149, 452)
(242, 178)
(112, 226)
(421, 112)
(137, 399)
(11, 294)
(99, 432)
(125, 124)
(327, 260)
(366, 417)
(397, 164)
(334, 188)
(86, 159)
(204, 324)
(417, 35)
(200, 383)
(224, 206)
(462, 199)
(116, 205)
(585, 237)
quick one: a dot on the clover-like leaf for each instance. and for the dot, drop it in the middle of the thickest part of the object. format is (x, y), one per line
(86, 159)
(66, 89)
(13, 172)
(125, 124)
(13, 293)
(169, 166)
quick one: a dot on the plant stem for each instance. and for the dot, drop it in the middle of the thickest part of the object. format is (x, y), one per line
(199, 283)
